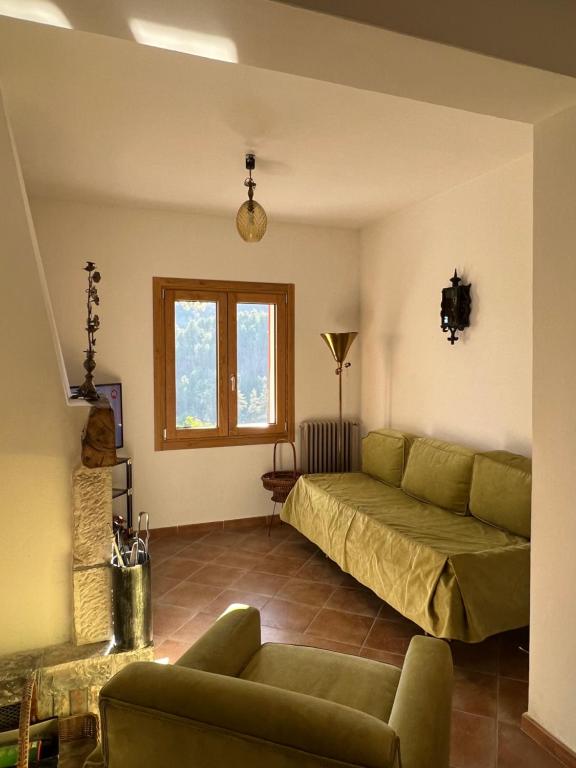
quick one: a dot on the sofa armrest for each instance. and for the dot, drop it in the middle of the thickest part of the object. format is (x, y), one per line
(167, 715)
(422, 708)
(228, 645)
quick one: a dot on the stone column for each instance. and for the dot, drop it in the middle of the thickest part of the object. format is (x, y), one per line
(92, 535)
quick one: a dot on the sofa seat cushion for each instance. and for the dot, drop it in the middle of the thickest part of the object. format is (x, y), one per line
(440, 473)
(385, 453)
(365, 685)
(353, 496)
(501, 491)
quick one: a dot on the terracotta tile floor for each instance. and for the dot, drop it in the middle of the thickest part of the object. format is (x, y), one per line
(305, 598)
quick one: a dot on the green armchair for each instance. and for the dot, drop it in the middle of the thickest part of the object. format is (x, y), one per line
(231, 702)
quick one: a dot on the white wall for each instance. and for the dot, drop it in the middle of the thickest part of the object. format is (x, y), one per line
(130, 246)
(39, 437)
(553, 596)
(479, 391)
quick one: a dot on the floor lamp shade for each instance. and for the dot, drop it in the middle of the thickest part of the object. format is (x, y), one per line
(339, 344)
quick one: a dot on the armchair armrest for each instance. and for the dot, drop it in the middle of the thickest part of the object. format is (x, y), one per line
(421, 711)
(166, 716)
(228, 645)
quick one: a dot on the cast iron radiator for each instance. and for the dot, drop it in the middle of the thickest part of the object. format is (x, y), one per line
(319, 446)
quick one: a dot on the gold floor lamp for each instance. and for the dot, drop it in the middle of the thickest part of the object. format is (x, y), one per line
(339, 344)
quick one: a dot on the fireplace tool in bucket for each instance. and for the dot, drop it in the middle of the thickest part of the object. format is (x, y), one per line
(131, 589)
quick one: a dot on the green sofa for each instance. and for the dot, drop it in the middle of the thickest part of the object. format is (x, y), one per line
(437, 531)
(231, 701)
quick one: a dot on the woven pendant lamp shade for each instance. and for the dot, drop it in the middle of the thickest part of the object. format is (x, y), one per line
(251, 221)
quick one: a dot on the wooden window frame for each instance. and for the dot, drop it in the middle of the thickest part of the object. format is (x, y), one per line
(166, 291)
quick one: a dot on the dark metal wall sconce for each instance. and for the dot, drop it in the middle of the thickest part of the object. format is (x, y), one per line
(455, 309)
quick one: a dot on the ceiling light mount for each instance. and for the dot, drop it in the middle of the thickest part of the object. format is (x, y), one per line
(249, 182)
(251, 219)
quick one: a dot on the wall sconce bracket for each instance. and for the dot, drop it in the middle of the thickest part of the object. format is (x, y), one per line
(455, 308)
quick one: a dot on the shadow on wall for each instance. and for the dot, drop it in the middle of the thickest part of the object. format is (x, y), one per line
(378, 354)
(387, 347)
(507, 441)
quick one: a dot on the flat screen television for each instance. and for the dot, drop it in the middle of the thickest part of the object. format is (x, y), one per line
(113, 393)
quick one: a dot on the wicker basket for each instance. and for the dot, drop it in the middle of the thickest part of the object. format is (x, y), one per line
(85, 726)
(75, 727)
(281, 483)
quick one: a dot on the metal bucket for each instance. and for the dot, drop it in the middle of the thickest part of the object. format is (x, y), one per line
(132, 606)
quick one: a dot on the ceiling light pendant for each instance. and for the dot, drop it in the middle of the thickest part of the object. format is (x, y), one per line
(251, 220)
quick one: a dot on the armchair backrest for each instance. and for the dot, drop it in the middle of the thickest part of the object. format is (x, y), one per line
(228, 645)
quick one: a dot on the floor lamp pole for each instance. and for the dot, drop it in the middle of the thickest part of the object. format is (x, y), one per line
(339, 344)
(340, 429)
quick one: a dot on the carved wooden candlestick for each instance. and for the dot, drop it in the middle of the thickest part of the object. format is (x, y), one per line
(87, 390)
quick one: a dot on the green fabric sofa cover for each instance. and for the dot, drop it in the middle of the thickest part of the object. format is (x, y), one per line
(385, 453)
(231, 701)
(454, 575)
(501, 489)
(440, 473)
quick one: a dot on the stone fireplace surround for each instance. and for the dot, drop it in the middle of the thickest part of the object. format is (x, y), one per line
(71, 675)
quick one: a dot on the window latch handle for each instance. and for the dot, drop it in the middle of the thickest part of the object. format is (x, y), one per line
(233, 382)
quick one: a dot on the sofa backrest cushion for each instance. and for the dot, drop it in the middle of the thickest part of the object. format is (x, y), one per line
(439, 473)
(501, 491)
(385, 453)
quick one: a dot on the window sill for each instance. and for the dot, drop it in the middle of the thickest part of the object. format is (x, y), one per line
(222, 441)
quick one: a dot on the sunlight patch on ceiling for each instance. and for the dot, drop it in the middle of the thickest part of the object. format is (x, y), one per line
(40, 11)
(184, 41)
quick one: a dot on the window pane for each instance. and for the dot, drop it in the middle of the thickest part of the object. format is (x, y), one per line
(196, 330)
(256, 364)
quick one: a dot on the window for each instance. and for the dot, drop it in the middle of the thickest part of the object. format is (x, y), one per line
(223, 363)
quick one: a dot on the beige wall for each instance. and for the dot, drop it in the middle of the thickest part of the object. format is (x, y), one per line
(39, 437)
(479, 391)
(130, 246)
(553, 636)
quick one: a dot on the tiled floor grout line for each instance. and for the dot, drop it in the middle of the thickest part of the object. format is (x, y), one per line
(296, 603)
(311, 620)
(170, 636)
(363, 645)
(321, 608)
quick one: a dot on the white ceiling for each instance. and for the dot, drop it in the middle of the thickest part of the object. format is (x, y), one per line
(107, 120)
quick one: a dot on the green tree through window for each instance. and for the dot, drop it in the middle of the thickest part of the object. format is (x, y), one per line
(196, 387)
(196, 371)
(253, 353)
